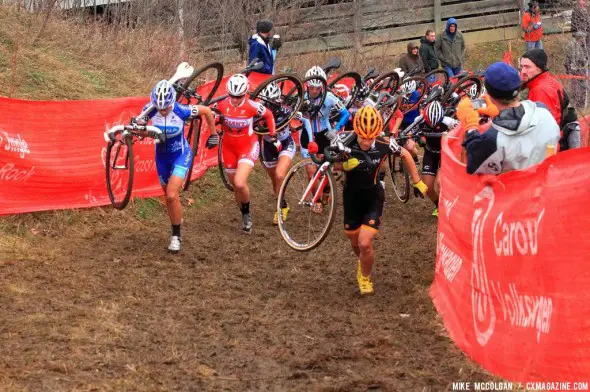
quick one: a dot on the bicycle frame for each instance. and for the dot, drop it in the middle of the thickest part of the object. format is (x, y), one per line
(324, 180)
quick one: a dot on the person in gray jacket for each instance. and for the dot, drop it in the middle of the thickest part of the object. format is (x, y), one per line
(450, 48)
(520, 136)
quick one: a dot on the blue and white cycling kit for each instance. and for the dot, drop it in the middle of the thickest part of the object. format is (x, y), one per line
(173, 155)
(317, 127)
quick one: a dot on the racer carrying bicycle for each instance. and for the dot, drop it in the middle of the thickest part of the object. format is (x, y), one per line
(240, 144)
(278, 157)
(173, 155)
(363, 195)
(318, 127)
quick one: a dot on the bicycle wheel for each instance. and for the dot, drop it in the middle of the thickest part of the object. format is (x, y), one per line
(399, 177)
(220, 166)
(440, 76)
(353, 81)
(210, 72)
(411, 100)
(285, 106)
(470, 86)
(305, 229)
(192, 137)
(119, 168)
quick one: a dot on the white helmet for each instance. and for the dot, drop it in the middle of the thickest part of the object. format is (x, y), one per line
(483, 90)
(433, 113)
(163, 95)
(408, 87)
(472, 92)
(271, 92)
(237, 85)
(316, 72)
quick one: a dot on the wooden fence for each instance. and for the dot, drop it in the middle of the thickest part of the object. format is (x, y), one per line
(374, 27)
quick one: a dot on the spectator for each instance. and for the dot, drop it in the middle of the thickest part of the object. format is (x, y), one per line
(450, 48)
(532, 27)
(543, 87)
(264, 48)
(520, 135)
(428, 54)
(576, 63)
(581, 20)
(411, 61)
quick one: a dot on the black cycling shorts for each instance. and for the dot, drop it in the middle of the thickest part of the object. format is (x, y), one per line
(320, 138)
(430, 163)
(363, 207)
(270, 154)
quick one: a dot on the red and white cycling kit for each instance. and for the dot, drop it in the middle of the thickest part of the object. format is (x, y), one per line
(240, 143)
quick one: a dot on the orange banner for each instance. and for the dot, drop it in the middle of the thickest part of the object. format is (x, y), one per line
(52, 153)
(512, 275)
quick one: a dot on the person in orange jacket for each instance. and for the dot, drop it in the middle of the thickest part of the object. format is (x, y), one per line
(532, 27)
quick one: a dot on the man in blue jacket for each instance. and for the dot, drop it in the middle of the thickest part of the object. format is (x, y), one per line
(263, 47)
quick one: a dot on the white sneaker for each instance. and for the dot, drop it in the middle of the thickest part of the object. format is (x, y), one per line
(246, 223)
(174, 246)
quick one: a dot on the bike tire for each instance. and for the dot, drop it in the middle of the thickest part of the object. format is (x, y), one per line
(194, 143)
(119, 204)
(288, 238)
(221, 168)
(358, 81)
(298, 86)
(444, 73)
(216, 66)
(476, 80)
(417, 79)
(399, 177)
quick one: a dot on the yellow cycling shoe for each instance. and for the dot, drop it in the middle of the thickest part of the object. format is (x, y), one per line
(284, 213)
(435, 212)
(365, 285)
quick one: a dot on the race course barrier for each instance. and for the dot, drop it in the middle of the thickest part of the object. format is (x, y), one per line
(512, 279)
(52, 153)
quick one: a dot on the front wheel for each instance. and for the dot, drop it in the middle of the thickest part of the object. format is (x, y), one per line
(308, 223)
(119, 171)
(399, 177)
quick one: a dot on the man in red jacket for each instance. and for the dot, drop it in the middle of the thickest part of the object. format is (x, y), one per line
(532, 27)
(544, 87)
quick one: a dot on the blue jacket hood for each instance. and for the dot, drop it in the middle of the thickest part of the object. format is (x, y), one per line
(451, 21)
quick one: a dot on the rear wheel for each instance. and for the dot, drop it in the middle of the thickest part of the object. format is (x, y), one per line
(399, 177)
(119, 171)
(305, 229)
(212, 72)
(222, 172)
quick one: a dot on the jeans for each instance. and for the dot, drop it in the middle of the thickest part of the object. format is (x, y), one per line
(533, 45)
(453, 71)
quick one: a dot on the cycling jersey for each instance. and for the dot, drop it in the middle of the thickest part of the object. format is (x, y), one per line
(365, 176)
(240, 143)
(174, 155)
(321, 121)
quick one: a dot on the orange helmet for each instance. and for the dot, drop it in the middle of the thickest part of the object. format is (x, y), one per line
(368, 122)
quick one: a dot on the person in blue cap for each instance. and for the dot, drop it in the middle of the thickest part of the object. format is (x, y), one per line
(450, 48)
(522, 134)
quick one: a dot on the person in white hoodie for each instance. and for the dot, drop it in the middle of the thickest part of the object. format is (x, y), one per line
(520, 136)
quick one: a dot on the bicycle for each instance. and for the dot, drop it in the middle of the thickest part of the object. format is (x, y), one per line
(119, 159)
(302, 195)
(119, 153)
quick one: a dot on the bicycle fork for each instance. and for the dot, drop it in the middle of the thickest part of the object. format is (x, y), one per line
(320, 176)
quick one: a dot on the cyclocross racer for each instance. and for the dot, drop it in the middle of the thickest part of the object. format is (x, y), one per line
(363, 195)
(240, 143)
(174, 155)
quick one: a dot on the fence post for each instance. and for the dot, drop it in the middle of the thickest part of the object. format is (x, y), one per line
(437, 17)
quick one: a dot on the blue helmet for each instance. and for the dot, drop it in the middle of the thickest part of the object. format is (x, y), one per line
(163, 95)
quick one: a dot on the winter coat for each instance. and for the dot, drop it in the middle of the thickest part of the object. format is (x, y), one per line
(258, 48)
(450, 48)
(428, 55)
(408, 62)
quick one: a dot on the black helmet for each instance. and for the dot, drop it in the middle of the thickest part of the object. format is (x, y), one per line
(263, 26)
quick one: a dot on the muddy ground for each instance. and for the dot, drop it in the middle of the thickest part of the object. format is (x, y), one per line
(96, 303)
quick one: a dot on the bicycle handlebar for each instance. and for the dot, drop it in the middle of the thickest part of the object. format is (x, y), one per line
(153, 132)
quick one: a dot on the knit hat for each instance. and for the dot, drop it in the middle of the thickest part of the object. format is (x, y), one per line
(538, 57)
(502, 81)
(264, 26)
